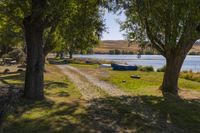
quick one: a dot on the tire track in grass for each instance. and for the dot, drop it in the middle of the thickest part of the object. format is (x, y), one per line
(90, 86)
(88, 90)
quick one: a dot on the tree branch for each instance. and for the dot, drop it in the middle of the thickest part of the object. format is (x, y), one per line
(155, 42)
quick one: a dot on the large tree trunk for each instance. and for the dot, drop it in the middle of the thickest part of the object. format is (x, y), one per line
(170, 80)
(35, 60)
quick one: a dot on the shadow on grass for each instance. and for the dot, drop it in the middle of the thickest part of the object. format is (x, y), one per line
(61, 87)
(107, 115)
(17, 77)
(50, 85)
(2, 73)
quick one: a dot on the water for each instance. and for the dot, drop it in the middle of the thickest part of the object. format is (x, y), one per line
(157, 61)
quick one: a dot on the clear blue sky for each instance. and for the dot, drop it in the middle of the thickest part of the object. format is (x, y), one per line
(113, 27)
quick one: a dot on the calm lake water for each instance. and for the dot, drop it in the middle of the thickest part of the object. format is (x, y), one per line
(157, 61)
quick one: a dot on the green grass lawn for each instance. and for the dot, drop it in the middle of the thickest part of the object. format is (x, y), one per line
(58, 112)
(148, 84)
(148, 99)
(64, 111)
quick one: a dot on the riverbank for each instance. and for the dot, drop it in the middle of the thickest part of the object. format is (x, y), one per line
(157, 61)
(148, 84)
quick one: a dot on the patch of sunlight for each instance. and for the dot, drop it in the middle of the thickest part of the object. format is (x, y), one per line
(36, 113)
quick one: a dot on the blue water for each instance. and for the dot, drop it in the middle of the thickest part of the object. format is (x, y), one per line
(157, 61)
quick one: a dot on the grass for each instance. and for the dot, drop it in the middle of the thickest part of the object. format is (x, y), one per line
(179, 115)
(64, 110)
(148, 84)
(189, 75)
(85, 66)
(13, 79)
(57, 112)
(152, 114)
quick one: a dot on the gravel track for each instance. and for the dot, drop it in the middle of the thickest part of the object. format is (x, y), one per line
(89, 86)
(88, 90)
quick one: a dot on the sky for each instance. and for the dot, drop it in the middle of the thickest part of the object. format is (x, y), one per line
(113, 27)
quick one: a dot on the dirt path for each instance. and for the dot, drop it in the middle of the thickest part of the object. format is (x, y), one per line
(88, 90)
(89, 86)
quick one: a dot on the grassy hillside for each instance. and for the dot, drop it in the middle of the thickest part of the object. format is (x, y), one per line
(106, 46)
(122, 45)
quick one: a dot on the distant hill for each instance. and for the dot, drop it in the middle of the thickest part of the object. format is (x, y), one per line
(109, 45)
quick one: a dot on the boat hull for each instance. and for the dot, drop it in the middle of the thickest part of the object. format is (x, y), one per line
(124, 67)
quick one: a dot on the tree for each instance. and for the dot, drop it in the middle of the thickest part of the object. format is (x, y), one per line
(85, 27)
(10, 35)
(172, 27)
(52, 40)
(37, 15)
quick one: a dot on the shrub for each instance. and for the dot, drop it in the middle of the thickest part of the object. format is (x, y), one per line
(58, 61)
(16, 54)
(189, 75)
(90, 51)
(124, 52)
(5, 56)
(131, 52)
(162, 69)
(111, 52)
(146, 68)
(192, 53)
(117, 52)
(148, 52)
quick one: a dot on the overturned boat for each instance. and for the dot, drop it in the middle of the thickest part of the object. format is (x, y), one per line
(124, 67)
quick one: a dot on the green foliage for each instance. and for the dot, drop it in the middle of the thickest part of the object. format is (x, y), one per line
(112, 52)
(53, 40)
(146, 68)
(189, 75)
(162, 69)
(168, 25)
(5, 56)
(16, 54)
(11, 35)
(85, 27)
(194, 53)
(82, 19)
(123, 52)
(90, 51)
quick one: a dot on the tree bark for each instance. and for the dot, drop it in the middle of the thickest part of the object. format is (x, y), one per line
(170, 80)
(34, 80)
(70, 54)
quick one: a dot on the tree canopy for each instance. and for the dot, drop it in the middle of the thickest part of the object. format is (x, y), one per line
(165, 23)
(84, 28)
(171, 27)
(45, 24)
